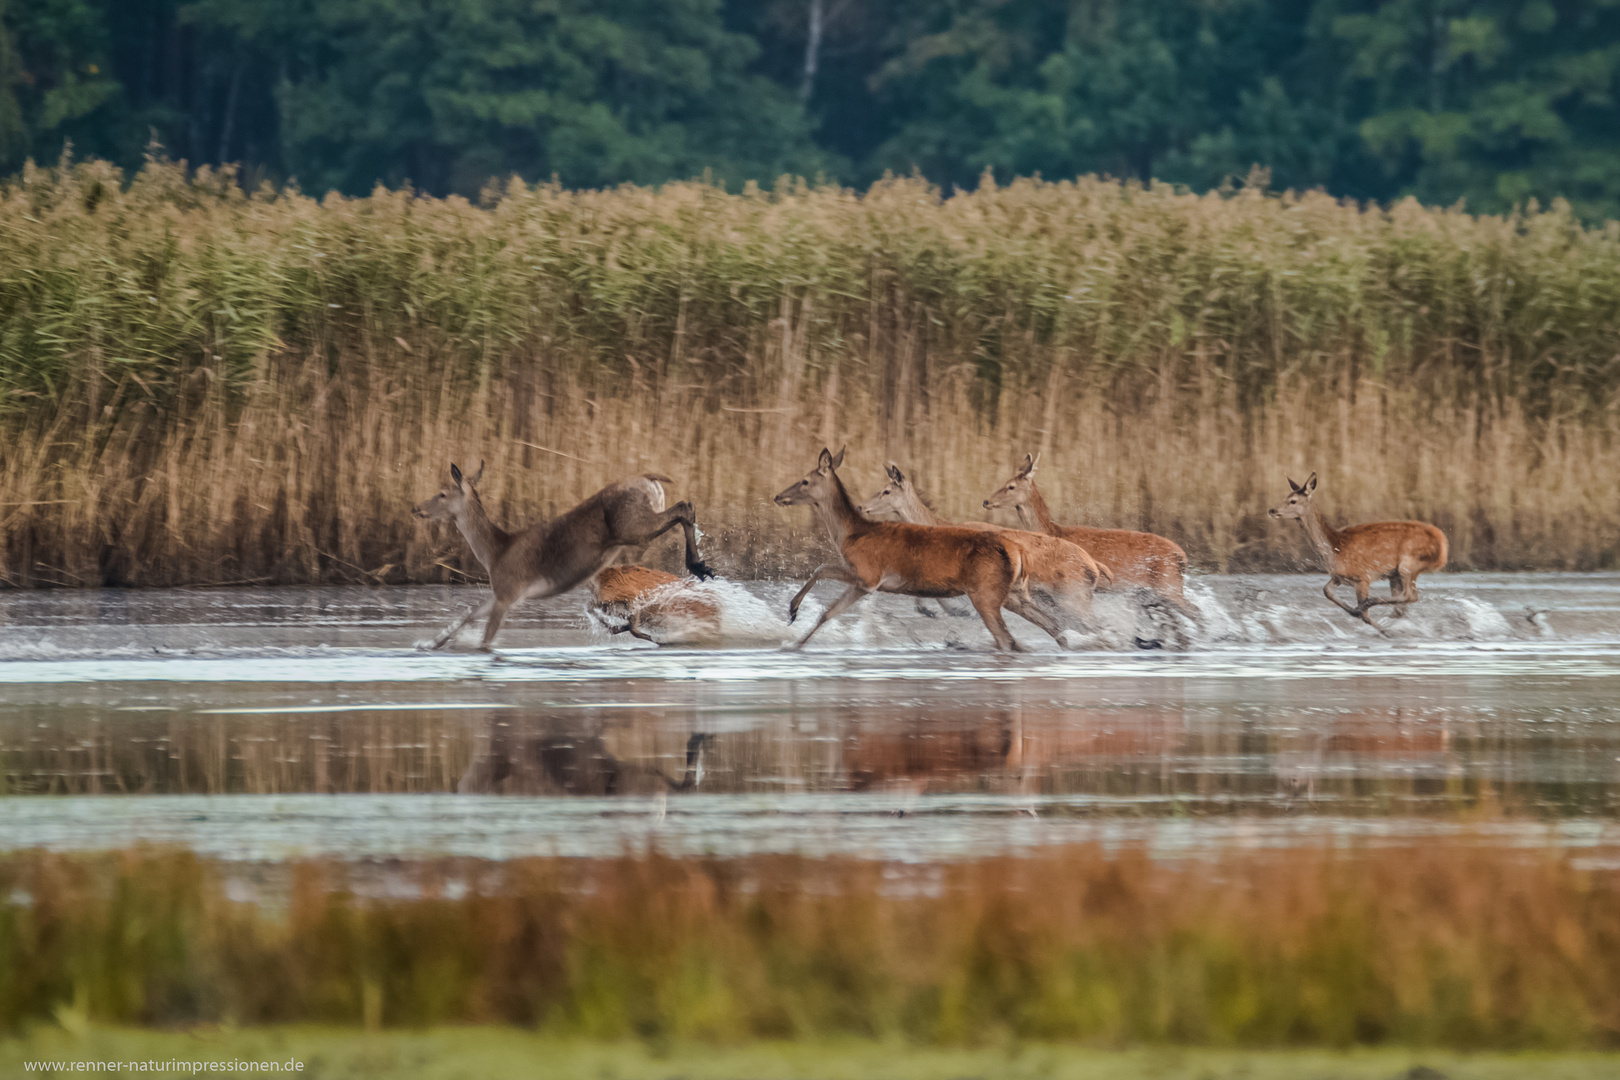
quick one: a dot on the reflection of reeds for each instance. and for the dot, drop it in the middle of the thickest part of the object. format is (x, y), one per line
(1434, 760)
(1451, 944)
(198, 385)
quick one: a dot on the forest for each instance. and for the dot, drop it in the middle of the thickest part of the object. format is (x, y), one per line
(1491, 103)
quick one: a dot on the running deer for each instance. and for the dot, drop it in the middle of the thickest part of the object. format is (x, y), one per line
(551, 557)
(1136, 558)
(1056, 564)
(653, 606)
(1359, 554)
(913, 560)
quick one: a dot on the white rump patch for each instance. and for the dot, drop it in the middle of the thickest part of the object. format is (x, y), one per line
(655, 493)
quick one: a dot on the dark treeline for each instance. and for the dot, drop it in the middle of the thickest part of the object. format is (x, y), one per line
(1492, 101)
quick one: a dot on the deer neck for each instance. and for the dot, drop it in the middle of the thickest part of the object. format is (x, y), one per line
(486, 539)
(1033, 512)
(839, 514)
(1324, 538)
(920, 513)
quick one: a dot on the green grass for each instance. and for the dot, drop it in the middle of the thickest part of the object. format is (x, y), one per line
(491, 1053)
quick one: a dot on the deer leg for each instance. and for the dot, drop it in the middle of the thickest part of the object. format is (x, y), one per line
(467, 616)
(838, 607)
(925, 611)
(633, 627)
(497, 613)
(835, 571)
(1358, 611)
(1026, 608)
(640, 525)
(989, 609)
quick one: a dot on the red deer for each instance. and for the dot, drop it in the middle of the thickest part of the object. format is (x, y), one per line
(551, 557)
(1056, 564)
(1136, 558)
(1359, 554)
(653, 606)
(913, 560)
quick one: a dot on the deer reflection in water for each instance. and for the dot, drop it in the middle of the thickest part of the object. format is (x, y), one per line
(518, 758)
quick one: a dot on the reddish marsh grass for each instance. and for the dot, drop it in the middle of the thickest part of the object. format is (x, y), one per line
(1450, 944)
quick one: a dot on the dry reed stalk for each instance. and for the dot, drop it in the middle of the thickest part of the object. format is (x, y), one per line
(200, 385)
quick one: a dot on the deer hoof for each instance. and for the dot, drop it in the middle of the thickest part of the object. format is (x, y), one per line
(700, 570)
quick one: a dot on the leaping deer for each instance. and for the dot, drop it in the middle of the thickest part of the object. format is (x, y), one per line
(913, 560)
(548, 558)
(1136, 558)
(1359, 554)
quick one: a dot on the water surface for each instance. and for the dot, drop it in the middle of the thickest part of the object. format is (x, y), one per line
(269, 723)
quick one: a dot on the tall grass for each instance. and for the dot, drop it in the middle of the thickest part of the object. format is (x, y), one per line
(1452, 945)
(198, 384)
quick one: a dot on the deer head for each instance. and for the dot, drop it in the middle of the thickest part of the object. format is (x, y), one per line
(1014, 494)
(451, 501)
(1298, 503)
(894, 497)
(818, 484)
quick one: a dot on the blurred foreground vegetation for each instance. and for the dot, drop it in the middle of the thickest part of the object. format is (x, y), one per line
(1452, 944)
(203, 385)
(465, 1053)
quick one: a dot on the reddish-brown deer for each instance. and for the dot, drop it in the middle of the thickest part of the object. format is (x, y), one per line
(1056, 567)
(551, 557)
(913, 560)
(1136, 558)
(654, 606)
(1360, 554)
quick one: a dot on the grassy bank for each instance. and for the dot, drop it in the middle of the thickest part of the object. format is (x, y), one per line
(1452, 945)
(197, 385)
(459, 1053)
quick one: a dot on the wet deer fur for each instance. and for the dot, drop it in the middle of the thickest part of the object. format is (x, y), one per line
(1360, 554)
(551, 557)
(1066, 570)
(1142, 559)
(635, 600)
(913, 560)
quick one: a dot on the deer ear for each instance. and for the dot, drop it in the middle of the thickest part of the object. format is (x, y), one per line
(455, 474)
(838, 462)
(1291, 485)
(479, 475)
(1310, 485)
(1028, 467)
(894, 473)
(825, 461)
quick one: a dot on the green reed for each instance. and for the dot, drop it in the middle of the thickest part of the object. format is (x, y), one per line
(202, 384)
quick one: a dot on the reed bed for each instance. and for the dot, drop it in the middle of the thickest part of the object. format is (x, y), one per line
(1452, 945)
(199, 384)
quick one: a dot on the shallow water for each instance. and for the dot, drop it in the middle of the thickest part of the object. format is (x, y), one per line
(227, 721)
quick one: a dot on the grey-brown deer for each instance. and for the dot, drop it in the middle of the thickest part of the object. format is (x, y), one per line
(551, 557)
(1360, 554)
(913, 560)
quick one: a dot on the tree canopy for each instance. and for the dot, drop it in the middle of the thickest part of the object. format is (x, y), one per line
(1494, 102)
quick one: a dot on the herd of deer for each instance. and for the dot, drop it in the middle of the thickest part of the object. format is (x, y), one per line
(1044, 572)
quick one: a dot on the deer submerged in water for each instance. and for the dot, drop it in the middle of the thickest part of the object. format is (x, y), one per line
(551, 557)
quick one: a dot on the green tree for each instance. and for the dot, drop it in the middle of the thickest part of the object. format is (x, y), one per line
(447, 93)
(1492, 102)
